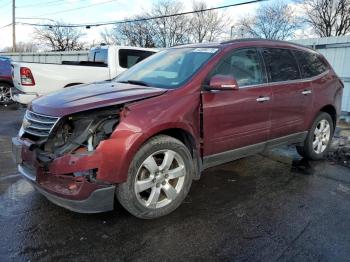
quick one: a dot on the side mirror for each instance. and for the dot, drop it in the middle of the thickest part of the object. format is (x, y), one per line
(223, 82)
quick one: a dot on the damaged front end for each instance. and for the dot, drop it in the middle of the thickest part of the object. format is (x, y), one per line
(77, 133)
(60, 157)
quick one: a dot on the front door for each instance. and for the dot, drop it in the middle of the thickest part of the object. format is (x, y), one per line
(237, 118)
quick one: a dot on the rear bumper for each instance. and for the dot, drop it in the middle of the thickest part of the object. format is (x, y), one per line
(24, 98)
(73, 193)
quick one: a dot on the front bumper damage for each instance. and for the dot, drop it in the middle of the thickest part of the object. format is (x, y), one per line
(76, 193)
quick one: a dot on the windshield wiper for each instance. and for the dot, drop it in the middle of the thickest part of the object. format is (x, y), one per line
(135, 82)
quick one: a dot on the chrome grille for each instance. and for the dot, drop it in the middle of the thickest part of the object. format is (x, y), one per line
(37, 124)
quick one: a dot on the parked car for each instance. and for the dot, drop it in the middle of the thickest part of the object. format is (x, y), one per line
(146, 135)
(5, 80)
(104, 63)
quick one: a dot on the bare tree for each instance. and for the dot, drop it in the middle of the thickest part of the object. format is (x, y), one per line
(272, 21)
(169, 31)
(60, 38)
(109, 37)
(22, 47)
(328, 17)
(206, 26)
(135, 33)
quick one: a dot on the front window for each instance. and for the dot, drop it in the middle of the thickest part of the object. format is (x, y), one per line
(244, 65)
(168, 69)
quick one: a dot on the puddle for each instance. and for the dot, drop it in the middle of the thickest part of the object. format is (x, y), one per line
(302, 166)
(18, 190)
(13, 194)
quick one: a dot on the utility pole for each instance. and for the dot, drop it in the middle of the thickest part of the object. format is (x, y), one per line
(13, 25)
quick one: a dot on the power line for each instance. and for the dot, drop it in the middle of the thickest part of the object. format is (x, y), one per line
(35, 18)
(146, 18)
(5, 26)
(45, 4)
(78, 8)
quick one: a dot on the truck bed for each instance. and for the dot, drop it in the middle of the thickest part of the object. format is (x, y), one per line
(52, 77)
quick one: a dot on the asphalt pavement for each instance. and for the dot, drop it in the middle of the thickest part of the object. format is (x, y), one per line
(268, 207)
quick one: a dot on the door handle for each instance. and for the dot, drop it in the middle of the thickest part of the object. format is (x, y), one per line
(306, 92)
(262, 99)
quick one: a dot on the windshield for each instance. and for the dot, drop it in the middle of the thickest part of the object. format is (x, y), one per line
(168, 69)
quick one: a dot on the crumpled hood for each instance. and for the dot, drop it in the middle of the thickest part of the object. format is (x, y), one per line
(84, 97)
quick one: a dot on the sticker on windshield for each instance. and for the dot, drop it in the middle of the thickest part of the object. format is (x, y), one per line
(206, 50)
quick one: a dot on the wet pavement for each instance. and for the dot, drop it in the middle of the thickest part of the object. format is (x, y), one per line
(269, 207)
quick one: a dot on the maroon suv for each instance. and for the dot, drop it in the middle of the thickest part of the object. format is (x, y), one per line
(143, 137)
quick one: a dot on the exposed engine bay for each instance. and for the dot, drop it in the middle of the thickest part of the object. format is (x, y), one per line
(80, 132)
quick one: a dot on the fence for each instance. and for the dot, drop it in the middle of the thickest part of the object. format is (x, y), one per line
(48, 57)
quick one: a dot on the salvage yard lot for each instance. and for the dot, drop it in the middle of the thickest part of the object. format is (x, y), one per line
(271, 207)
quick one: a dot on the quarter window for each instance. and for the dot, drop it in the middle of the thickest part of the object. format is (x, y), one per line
(310, 64)
(244, 65)
(280, 64)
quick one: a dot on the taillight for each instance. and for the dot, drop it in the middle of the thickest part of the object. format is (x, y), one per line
(27, 78)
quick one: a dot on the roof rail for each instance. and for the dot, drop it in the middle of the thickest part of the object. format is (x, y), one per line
(242, 40)
(263, 39)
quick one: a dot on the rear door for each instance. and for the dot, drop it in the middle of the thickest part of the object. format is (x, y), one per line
(292, 97)
(237, 118)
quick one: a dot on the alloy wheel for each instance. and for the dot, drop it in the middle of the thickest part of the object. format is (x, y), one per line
(5, 94)
(160, 179)
(322, 135)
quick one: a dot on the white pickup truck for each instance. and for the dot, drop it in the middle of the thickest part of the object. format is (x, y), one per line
(32, 80)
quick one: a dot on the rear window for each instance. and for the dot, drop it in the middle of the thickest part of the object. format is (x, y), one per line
(311, 64)
(281, 64)
(130, 57)
(99, 56)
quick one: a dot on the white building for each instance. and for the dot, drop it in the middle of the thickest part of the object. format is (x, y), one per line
(48, 57)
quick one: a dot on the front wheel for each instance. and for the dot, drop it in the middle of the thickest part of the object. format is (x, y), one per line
(319, 138)
(159, 178)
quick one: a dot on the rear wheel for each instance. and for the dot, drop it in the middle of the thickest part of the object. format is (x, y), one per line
(159, 178)
(319, 138)
(5, 94)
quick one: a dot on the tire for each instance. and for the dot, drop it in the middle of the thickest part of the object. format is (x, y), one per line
(311, 149)
(150, 191)
(5, 97)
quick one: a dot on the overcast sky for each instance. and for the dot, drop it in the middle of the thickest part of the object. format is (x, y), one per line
(91, 11)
